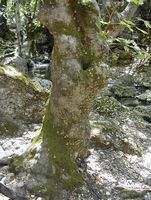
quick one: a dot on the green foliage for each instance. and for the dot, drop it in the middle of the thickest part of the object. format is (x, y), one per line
(25, 7)
(130, 46)
(128, 24)
(139, 2)
(137, 27)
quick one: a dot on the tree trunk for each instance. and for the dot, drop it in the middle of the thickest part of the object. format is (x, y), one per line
(3, 20)
(77, 77)
(18, 27)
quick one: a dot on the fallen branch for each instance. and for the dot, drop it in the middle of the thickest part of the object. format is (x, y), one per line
(10, 193)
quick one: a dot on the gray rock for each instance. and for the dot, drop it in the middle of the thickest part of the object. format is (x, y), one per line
(7, 125)
(144, 111)
(146, 96)
(9, 178)
(45, 84)
(142, 75)
(22, 102)
(129, 102)
(119, 127)
(124, 91)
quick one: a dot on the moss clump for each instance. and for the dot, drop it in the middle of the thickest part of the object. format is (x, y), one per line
(13, 73)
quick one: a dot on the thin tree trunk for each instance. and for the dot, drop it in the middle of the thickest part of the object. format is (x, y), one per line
(18, 27)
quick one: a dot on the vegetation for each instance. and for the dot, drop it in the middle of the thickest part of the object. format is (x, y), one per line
(87, 36)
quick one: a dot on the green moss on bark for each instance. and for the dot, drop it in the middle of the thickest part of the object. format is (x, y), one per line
(61, 164)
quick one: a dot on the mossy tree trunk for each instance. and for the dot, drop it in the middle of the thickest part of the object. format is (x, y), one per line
(77, 77)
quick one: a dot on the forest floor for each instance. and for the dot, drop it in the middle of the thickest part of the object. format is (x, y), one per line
(119, 165)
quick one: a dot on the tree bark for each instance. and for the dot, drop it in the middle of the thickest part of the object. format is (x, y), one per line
(77, 77)
(18, 27)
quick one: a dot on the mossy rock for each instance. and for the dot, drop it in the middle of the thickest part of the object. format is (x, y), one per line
(146, 96)
(108, 106)
(118, 126)
(123, 91)
(22, 100)
(142, 76)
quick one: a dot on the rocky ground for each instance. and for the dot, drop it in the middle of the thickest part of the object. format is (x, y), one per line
(119, 165)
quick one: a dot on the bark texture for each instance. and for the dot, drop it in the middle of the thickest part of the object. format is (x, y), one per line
(77, 77)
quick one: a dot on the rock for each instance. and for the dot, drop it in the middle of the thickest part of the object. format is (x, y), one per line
(130, 102)
(144, 111)
(2, 155)
(142, 76)
(124, 86)
(7, 125)
(45, 84)
(146, 96)
(5, 159)
(4, 169)
(124, 91)
(125, 80)
(22, 101)
(14, 146)
(118, 127)
(1, 176)
(2, 197)
(120, 137)
(133, 190)
(19, 63)
(9, 177)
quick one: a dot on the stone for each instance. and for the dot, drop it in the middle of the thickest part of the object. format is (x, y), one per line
(129, 101)
(9, 177)
(144, 111)
(7, 125)
(123, 91)
(2, 154)
(146, 96)
(22, 101)
(142, 75)
(118, 127)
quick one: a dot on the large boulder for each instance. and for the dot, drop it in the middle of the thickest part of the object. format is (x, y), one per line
(21, 101)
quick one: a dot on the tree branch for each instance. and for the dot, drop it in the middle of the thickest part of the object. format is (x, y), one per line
(127, 14)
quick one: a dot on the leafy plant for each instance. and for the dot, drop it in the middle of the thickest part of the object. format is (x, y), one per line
(139, 2)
